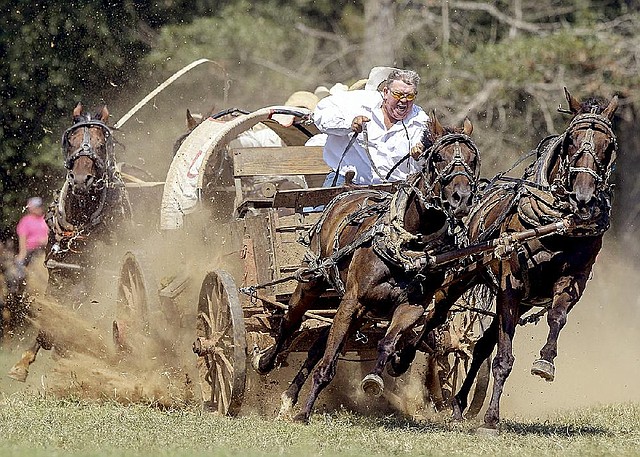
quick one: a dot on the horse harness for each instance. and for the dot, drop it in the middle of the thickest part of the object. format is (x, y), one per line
(538, 202)
(387, 234)
(109, 184)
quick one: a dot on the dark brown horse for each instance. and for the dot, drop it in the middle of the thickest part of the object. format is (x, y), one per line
(372, 248)
(568, 183)
(92, 207)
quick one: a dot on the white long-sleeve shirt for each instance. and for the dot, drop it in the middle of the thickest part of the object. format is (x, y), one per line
(334, 114)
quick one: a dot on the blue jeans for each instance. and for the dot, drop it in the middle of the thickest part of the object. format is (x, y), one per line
(329, 179)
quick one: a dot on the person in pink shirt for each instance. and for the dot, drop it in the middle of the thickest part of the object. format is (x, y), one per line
(32, 232)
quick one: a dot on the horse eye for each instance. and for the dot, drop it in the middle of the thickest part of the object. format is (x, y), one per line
(437, 157)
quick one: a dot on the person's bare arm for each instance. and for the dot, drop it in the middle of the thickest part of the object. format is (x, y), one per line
(22, 248)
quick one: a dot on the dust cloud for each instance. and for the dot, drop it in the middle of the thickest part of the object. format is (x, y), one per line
(598, 359)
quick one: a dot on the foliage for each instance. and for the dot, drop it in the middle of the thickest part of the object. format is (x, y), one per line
(97, 50)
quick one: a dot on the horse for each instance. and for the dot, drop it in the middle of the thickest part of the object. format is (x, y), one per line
(568, 184)
(371, 248)
(91, 207)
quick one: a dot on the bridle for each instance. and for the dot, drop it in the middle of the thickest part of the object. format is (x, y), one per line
(592, 123)
(87, 150)
(457, 166)
(452, 169)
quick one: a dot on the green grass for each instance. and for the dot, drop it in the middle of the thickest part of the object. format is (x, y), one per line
(34, 426)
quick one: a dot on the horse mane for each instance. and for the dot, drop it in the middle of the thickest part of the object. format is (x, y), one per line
(428, 134)
(599, 103)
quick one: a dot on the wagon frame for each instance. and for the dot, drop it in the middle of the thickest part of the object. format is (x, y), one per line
(264, 215)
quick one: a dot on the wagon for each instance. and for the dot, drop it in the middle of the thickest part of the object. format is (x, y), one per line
(258, 202)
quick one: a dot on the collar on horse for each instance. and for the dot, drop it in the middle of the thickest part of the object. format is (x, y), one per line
(393, 239)
(66, 233)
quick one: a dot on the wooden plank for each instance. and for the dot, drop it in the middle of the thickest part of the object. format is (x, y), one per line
(318, 196)
(290, 160)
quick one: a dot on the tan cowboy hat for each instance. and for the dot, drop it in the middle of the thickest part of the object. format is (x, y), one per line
(299, 99)
(303, 99)
(358, 84)
(377, 76)
(321, 92)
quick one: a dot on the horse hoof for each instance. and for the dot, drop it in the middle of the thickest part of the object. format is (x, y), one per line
(372, 385)
(487, 430)
(544, 369)
(301, 418)
(18, 373)
(286, 405)
(255, 361)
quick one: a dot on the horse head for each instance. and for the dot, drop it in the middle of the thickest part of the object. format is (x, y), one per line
(86, 147)
(589, 150)
(452, 165)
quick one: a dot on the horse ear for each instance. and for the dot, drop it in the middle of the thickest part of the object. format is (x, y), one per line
(467, 127)
(191, 122)
(574, 105)
(438, 129)
(611, 108)
(103, 115)
(77, 111)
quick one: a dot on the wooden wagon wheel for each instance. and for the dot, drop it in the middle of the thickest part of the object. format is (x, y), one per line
(221, 344)
(137, 300)
(448, 365)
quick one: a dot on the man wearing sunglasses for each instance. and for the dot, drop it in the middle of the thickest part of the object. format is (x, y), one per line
(371, 132)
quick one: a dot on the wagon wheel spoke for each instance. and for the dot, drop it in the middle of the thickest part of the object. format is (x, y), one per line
(137, 300)
(457, 340)
(220, 324)
(205, 317)
(223, 396)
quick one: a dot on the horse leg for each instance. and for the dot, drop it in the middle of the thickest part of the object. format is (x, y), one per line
(508, 301)
(404, 316)
(400, 361)
(289, 398)
(566, 293)
(301, 300)
(20, 370)
(348, 309)
(482, 350)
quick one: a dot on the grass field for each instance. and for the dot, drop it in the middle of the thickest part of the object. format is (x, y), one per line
(31, 425)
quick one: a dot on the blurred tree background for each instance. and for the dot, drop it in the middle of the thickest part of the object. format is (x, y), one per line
(502, 63)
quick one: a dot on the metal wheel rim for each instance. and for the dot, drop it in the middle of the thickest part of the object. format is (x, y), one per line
(133, 297)
(222, 372)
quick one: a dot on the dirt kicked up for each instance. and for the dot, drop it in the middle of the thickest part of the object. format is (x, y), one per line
(597, 363)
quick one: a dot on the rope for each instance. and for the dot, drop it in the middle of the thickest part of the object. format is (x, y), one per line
(159, 89)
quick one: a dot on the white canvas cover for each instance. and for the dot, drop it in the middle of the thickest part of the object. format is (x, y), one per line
(184, 178)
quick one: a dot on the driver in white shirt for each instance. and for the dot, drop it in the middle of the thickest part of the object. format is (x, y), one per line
(387, 125)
